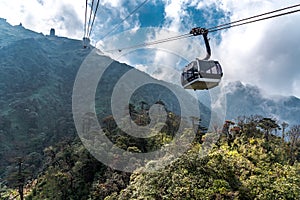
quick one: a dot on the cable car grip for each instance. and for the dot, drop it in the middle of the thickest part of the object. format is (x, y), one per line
(202, 31)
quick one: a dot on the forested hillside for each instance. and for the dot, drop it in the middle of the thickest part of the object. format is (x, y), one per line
(248, 162)
(42, 157)
(244, 164)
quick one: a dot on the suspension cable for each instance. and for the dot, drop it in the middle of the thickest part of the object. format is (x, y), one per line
(260, 15)
(131, 13)
(216, 28)
(178, 37)
(93, 19)
(86, 4)
(273, 16)
(91, 12)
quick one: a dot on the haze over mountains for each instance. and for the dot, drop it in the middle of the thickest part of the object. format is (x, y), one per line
(250, 100)
(246, 100)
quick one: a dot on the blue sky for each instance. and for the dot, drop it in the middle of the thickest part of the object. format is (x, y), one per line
(265, 54)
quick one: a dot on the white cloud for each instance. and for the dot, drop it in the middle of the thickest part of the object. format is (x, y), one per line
(262, 53)
(174, 12)
(112, 3)
(143, 68)
(65, 16)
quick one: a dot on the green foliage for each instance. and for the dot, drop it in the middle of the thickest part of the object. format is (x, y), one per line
(69, 173)
(6, 193)
(249, 168)
(294, 142)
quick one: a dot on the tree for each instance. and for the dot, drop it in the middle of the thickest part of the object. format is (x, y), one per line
(202, 130)
(225, 130)
(21, 180)
(284, 125)
(294, 139)
(268, 125)
(16, 179)
(248, 125)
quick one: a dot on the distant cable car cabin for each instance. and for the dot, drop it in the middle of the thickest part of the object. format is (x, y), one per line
(52, 32)
(86, 42)
(202, 74)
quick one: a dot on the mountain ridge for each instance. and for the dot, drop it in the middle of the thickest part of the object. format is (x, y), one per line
(37, 78)
(252, 101)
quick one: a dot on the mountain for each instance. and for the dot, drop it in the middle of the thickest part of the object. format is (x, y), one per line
(37, 74)
(36, 85)
(37, 131)
(10, 34)
(245, 100)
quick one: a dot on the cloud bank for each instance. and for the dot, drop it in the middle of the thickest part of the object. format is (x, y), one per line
(41, 15)
(265, 53)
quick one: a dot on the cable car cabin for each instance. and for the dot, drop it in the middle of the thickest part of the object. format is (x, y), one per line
(201, 75)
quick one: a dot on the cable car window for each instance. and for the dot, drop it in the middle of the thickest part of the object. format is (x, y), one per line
(214, 70)
(219, 69)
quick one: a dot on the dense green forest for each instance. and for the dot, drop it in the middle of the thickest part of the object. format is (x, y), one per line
(254, 158)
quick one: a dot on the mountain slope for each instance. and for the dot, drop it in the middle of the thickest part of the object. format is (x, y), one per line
(37, 78)
(10, 34)
(36, 84)
(246, 100)
(248, 168)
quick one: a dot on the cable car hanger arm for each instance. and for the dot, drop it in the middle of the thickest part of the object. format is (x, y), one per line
(203, 31)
